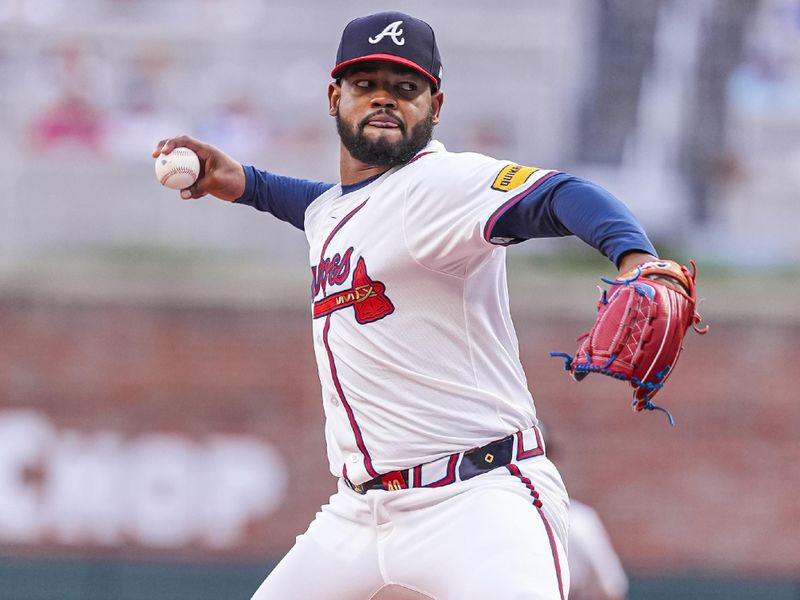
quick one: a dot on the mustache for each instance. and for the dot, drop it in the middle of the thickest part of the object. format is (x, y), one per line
(382, 111)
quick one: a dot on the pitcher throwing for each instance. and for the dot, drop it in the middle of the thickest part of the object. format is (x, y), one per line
(445, 488)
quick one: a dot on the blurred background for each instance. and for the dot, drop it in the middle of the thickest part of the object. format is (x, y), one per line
(160, 424)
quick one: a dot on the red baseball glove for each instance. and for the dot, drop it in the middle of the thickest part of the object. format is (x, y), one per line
(638, 334)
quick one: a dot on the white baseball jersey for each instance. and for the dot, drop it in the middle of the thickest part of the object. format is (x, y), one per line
(416, 351)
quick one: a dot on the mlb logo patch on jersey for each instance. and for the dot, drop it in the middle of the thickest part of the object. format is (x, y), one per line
(512, 176)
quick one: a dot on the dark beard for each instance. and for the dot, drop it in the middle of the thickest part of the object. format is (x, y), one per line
(381, 152)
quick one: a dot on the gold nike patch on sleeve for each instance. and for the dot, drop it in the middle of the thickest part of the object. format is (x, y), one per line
(512, 176)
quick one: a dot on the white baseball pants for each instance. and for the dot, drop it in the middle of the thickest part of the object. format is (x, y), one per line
(479, 539)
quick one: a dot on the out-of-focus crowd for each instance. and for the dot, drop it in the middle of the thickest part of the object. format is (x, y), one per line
(108, 78)
(688, 121)
(76, 119)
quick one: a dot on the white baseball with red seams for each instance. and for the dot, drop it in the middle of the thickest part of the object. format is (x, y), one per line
(179, 169)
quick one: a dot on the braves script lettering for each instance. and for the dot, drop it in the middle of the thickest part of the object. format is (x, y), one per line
(331, 271)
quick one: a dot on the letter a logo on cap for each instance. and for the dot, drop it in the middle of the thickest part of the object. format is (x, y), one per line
(393, 31)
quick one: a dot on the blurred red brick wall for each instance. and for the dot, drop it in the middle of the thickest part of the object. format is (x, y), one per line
(716, 493)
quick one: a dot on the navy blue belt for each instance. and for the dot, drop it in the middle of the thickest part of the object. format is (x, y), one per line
(472, 463)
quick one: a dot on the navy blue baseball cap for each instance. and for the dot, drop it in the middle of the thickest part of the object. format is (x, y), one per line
(394, 37)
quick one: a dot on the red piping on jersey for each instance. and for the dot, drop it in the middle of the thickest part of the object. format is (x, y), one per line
(523, 454)
(514, 470)
(487, 231)
(351, 417)
(339, 225)
(420, 155)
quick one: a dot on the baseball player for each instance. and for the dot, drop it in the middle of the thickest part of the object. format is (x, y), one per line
(444, 488)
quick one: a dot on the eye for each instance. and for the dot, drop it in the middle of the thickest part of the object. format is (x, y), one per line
(362, 83)
(408, 86)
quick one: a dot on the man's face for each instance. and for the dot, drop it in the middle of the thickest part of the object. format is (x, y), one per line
(384, 113)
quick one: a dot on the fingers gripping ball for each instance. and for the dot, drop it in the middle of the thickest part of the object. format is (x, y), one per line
(179, 169)
(639, 330)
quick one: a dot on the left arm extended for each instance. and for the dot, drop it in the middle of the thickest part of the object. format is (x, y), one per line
(568, 205)
(641, 322)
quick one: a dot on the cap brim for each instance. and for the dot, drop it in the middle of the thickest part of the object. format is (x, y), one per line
(384, 57)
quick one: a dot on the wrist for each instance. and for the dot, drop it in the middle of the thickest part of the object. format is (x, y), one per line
(631, 260)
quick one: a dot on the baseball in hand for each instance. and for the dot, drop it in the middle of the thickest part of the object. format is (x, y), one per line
(179, 169)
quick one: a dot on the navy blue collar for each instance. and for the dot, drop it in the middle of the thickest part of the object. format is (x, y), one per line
(346, 189)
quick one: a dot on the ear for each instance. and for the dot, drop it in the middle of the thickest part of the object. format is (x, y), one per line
(437, 100)
(334, 95)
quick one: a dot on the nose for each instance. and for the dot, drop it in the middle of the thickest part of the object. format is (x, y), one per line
(383, 98)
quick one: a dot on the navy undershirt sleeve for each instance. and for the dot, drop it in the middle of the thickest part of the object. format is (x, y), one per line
(285, 197)
(568, 205)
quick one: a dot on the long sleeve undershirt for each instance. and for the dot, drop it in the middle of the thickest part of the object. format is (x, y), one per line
(568, 205)
(564, 205)
(284, 197)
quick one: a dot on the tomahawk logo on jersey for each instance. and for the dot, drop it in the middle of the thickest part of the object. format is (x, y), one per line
(367, 297)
